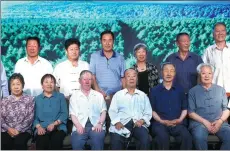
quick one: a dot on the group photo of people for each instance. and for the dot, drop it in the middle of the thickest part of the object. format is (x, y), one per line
(187, 98)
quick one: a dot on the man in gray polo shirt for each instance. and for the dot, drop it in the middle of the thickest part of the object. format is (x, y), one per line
(208, 110)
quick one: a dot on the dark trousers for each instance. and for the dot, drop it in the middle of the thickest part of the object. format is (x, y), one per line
(18, 142)
(162, 135)
(119, 142)
(52, 140)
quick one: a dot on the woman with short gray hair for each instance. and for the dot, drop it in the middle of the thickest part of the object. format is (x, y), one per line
(147, 73)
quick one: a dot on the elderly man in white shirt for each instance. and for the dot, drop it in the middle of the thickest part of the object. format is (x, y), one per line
(67, 72)
(218, 55)
(87, 110)
(33, 67)
(130, 113)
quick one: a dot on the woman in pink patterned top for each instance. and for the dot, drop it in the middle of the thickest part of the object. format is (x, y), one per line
(17, 113)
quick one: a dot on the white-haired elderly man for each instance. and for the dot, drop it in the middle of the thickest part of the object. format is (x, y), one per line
(88, 112)
(208, 110)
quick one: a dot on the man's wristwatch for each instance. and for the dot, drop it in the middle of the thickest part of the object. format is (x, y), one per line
(100, 123)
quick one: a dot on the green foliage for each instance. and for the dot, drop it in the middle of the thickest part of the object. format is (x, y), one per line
(155, 25)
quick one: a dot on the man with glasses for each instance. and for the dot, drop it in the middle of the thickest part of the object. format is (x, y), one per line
(208, 110)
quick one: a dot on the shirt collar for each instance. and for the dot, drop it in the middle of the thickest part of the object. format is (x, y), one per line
(178, 56)
(162, 87)
(210, 89)
(70, 63)
(135, 91)
(26, 59)
(53, 95)
(227, 45)
(13, 98)
(90, 93)
(103, 55)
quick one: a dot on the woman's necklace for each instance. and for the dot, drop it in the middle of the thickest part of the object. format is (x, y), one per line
(141, 68)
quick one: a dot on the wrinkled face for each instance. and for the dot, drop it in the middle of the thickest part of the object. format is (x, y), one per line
(141, 55)
(219, 33)
(168, 73)
(206, 75)
(107, 42)
(16, 87)
(32, 48)
(86, 81)
(183, 43)
(131, 78)
(73, 52)
(48, 85)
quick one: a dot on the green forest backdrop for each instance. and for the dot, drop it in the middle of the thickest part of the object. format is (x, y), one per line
(154, 23)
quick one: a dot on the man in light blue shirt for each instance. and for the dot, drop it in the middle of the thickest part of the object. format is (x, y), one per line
(130, 112)
(208, 110)
(4, 83)
(108, 67)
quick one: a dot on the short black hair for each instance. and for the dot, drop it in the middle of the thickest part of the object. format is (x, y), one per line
(219, 23)
(17, 76)
(33, 38)
(71, 41)
(181, 34)
(107, 32)
(48, 76)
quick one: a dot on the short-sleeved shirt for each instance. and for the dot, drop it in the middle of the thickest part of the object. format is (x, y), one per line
(207, 103)
(186, 74)
(87, 107)
(50, 109)
(67, 76)
(168, 104)
(32, 74)
(220, 59)
(108, 72)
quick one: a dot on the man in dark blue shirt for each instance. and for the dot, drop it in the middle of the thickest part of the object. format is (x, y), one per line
(169, 105)
(185, 62)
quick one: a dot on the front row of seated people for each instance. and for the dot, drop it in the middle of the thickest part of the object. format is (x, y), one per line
(131, 113)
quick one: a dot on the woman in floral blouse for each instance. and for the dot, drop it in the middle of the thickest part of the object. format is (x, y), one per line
(147, 73)
(17, 113)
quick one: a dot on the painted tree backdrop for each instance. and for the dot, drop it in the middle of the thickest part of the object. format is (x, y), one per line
(154, 23)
